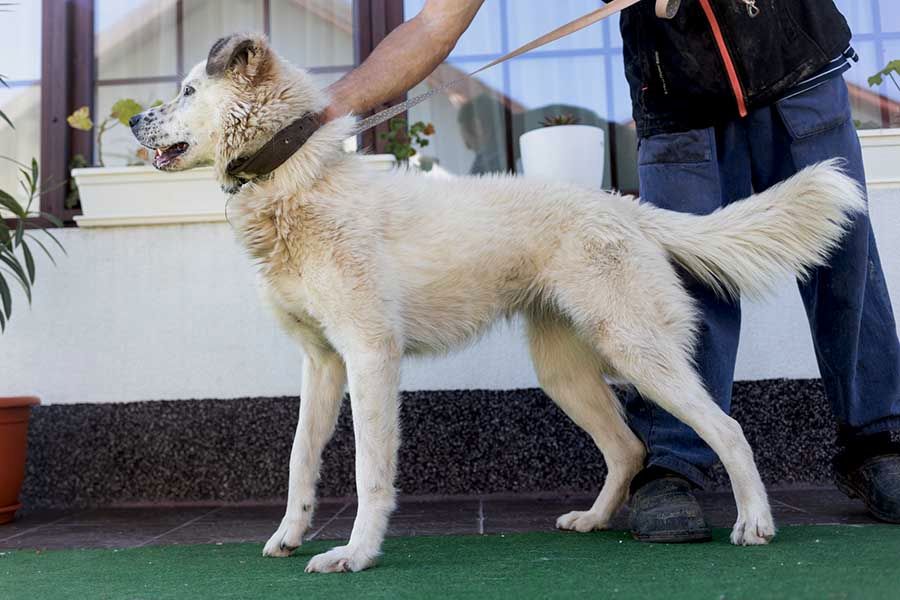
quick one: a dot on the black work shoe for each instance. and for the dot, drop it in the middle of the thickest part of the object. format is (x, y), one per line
(869, 469)
(664, 509)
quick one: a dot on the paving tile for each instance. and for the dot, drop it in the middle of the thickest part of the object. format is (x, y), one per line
(150, 517)
(231, 524)
(414, 517)
(511, 515)
(131, 526)
(56, 537)
(822, 506)
(106, 528)
(29, 521)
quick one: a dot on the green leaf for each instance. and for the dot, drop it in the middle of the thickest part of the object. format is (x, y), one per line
(53, 237)
(12, 160)
(56, 221)
(20, 232)
(10, 260)
(5, 118)
(29, 261)
(157, 103)
(2, 321)
(5, 297)
(124, 109)
(81, 119)
(12, 205)
(878, 78)
(34, 174)
(5, 238)
(43, 247)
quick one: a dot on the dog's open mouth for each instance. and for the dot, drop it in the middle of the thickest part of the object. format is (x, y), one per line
(166, 156)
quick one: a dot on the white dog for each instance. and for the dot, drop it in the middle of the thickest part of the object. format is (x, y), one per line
(363, 267)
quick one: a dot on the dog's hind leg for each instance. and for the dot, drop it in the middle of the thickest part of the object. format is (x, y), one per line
(626, 299)
(661, 371)
(324, 377)
(374, 377)
(570, 373)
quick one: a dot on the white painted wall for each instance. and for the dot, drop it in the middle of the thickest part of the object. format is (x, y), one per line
(170, 312)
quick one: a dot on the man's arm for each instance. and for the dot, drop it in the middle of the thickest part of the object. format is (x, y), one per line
(404, 58)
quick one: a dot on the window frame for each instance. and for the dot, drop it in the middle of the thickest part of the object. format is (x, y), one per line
(68, 80)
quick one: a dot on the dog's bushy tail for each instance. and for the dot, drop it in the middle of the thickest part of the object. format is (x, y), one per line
(747, 246)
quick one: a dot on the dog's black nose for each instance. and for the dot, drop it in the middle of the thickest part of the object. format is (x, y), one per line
(135, 119)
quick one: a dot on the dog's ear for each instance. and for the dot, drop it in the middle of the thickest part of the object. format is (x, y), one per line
(243, 54)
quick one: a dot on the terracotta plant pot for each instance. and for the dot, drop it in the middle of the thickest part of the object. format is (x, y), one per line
(14, 413)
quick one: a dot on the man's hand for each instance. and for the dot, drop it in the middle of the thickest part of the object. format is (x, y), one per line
(404, 58)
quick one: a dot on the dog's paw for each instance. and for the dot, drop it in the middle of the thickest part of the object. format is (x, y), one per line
(755, 530)
(286, 539)
(343, 559)
(582, 521)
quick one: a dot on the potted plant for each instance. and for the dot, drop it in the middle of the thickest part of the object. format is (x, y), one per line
(881, 147)
(401, 142)
(17, 266)
(564, 150)
(137, 193)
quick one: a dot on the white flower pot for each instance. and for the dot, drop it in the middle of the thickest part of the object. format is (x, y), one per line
(119, 196)
(112, 196)
(881, 156)
(381, 162)
(569, 153)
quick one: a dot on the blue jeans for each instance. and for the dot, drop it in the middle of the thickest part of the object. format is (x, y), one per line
(847, 303)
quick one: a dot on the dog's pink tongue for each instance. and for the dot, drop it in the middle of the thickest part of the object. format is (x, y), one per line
(165, 156)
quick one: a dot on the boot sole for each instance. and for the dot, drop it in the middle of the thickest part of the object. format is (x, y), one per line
(852, 491)
(673, 538)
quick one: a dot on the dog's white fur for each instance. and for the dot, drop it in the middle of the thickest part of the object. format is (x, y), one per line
(363, 267)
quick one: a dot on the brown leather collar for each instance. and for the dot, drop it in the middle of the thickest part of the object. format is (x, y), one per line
(276, 151)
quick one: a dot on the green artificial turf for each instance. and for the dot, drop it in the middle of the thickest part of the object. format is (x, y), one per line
(803, 562)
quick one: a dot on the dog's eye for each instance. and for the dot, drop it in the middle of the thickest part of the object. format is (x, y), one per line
(188, 90)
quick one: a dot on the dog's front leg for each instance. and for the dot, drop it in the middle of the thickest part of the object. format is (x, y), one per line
(374, 381)
(324, 377)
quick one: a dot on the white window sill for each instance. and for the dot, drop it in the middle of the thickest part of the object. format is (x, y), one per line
(881, 155)
(137, 196)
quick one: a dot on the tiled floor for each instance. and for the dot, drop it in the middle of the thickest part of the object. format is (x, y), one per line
(131, 527)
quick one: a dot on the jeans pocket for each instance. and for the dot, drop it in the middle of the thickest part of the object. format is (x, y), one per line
(688, 147)
(817, 110)
(680, 171)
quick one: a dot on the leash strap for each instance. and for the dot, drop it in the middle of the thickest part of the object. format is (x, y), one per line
(665, 9)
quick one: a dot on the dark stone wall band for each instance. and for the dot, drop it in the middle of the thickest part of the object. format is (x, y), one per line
(454, 442)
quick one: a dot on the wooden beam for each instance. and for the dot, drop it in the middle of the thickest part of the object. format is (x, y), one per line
(67, 78)
(373, 20)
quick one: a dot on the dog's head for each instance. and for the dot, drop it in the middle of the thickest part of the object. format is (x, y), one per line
(228, 106)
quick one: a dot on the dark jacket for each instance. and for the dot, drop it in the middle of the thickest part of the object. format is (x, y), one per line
(714, 62)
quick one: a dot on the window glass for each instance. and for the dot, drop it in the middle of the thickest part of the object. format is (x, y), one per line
(20, 47)
(135, 38)
(203, 22)
(314, 33)
(145, 47)
(876, 37)
(889, 13)
(479, 123)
